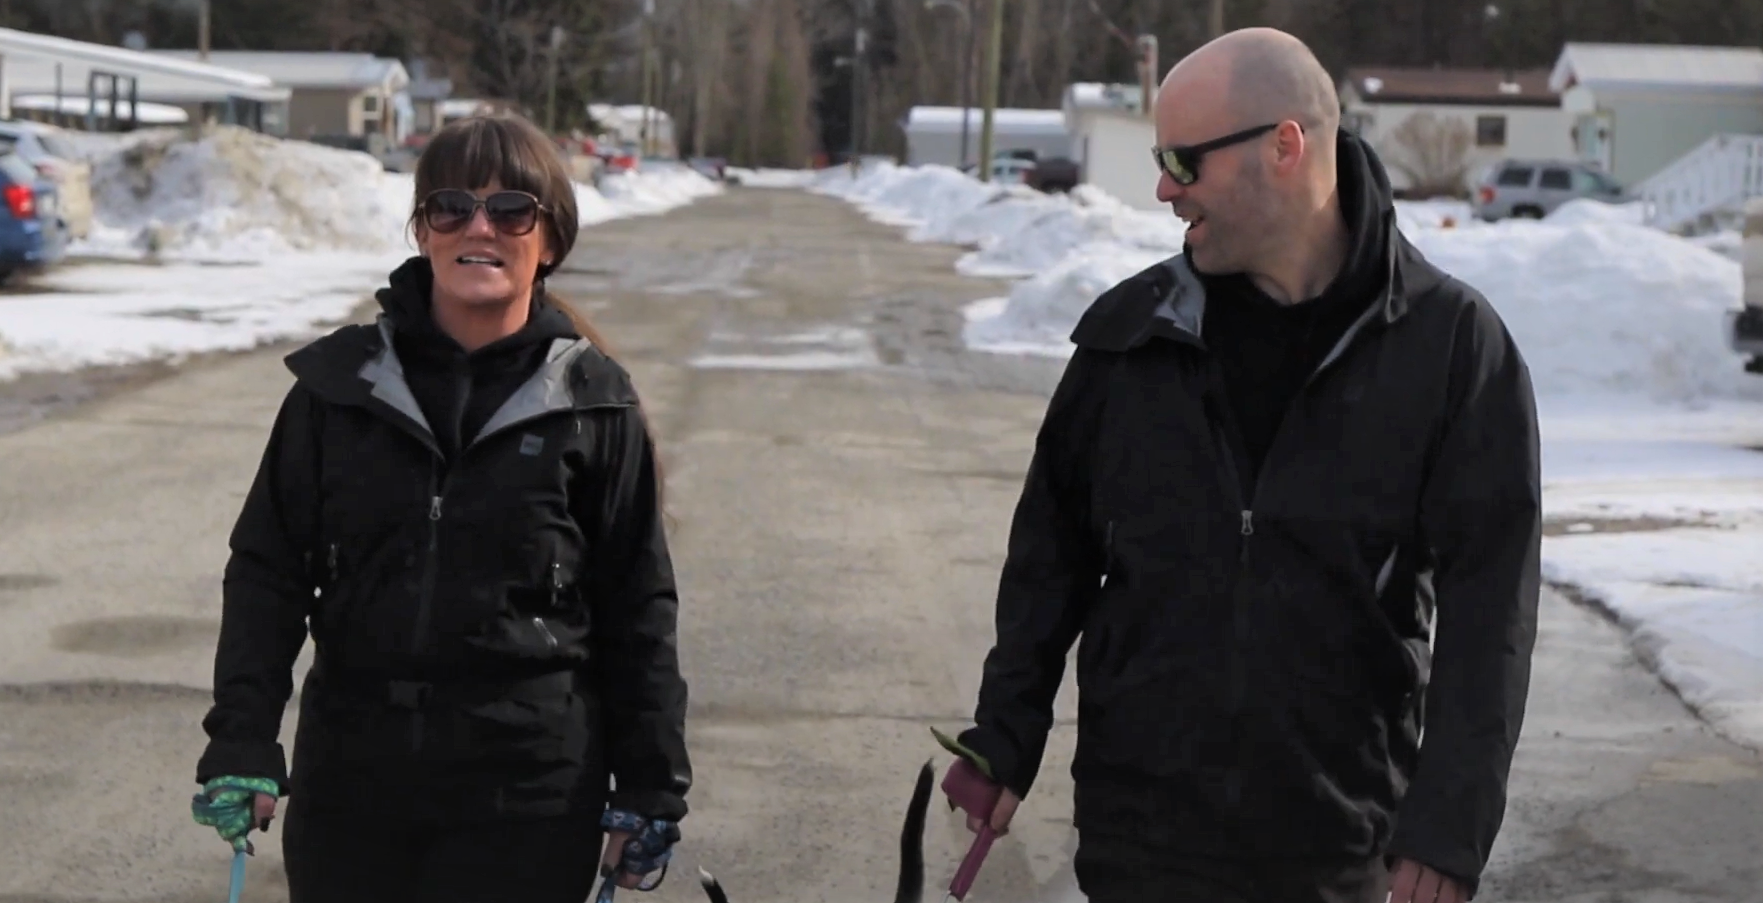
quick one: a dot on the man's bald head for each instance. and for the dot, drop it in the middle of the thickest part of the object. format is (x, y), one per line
(1266, 75)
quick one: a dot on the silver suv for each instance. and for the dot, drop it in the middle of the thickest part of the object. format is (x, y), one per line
(1534, 188)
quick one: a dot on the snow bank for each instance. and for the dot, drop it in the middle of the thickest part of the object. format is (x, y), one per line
(255, 239)
(1692, 600)
(657, 188)
(1602, 307)
(237, 193)
(124, 313)
(1599, 304)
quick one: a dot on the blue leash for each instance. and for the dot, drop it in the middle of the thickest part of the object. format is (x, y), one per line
(238, 883)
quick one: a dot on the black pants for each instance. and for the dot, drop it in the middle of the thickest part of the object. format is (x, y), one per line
(1112, 873)
(337, 857)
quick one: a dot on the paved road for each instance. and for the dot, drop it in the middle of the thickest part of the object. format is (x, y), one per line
(840, 522)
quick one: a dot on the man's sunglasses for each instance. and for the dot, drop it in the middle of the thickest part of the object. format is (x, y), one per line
(1182, 162)
(510, 212)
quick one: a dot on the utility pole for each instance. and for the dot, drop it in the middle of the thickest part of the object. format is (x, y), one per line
(1217, 18)
(965, 8)
(1147, 73)
(994, 42)
(860, 43)
(648, 78)
(551, 78)
(202, 29)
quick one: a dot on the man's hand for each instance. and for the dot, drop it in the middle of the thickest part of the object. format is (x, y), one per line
(614, 854)
(1001, 814)
(1412, 882)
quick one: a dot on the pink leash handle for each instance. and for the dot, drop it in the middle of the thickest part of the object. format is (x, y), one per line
(976, 856)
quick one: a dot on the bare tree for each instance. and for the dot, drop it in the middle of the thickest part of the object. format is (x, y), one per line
(1433, 152)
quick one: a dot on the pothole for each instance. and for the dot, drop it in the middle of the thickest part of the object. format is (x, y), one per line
(134, 636)
(1583, 526)
(21, 582)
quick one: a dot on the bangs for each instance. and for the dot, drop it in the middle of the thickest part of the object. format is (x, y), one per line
(481, 151)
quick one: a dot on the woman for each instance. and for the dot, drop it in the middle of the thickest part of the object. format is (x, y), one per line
(462, 504)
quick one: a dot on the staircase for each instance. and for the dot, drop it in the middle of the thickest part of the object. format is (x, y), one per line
(1705, 189)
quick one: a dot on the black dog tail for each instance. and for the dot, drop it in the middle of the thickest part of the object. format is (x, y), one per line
(911, 888)
(712, 887)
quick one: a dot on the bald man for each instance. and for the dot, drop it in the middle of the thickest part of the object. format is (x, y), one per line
(1272, 462)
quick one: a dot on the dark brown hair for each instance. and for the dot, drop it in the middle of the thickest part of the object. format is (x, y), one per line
(472, 152)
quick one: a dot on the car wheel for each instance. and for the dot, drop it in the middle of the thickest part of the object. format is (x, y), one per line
(1527, 212)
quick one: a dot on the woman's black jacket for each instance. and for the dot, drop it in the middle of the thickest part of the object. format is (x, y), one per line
(475, 544)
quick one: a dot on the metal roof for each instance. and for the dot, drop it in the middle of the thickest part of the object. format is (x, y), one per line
(1668, 67)
(30, 59)
(308, 69)
(1100, 96)
(1430, 86)
(1021, 121)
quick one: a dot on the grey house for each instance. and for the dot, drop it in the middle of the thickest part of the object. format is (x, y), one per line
(1637, 108)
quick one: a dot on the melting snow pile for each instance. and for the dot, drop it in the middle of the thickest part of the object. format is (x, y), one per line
(237, 193)
(1070, 247)
(657, 188)
(1600, 305)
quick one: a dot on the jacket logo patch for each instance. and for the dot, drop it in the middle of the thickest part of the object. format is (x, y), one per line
(531, 444)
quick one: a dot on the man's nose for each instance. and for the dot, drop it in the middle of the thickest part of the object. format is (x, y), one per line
(1168, 192)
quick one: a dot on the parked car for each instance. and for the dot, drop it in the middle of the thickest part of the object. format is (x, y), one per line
(33, 236)
(1534, 188)
(47, 150)
(1053, 174)
(713, 168)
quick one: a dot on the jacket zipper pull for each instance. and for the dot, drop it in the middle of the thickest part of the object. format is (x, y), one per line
(435, 508)
(1248, 523)
(545, 631)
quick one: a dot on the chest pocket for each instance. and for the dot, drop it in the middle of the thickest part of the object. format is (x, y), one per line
(373, 496)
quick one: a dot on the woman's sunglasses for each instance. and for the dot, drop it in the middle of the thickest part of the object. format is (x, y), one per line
(510, 212)
(1182, 162)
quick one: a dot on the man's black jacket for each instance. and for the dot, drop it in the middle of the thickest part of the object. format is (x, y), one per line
(475, 544)
(1254, 667)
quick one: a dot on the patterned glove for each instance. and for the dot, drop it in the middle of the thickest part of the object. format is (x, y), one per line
(650, 845)
(227, 804)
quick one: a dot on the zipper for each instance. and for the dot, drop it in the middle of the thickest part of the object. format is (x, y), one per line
(1107, 552)
(431, 561)
(545, 630)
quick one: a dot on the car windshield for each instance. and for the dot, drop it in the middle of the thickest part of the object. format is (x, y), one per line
(58, 146)
(14, 167)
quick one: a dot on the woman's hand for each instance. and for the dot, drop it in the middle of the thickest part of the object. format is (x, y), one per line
(636, 846)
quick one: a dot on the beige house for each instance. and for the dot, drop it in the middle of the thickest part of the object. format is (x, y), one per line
(1436, 130)
(1111, 140)
(332, 95)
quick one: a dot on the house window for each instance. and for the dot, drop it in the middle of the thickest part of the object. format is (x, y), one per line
(1490, 131)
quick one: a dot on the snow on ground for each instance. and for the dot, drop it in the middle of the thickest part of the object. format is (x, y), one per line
(1652, 433)
(237, 239)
